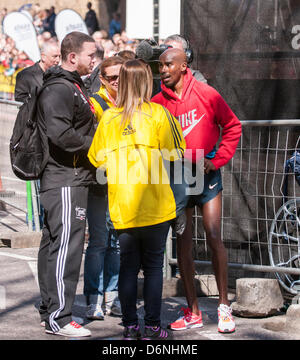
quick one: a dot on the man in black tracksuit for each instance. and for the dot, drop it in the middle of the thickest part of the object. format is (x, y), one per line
(66, 123)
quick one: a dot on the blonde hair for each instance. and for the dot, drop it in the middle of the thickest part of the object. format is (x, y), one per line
(135, 88)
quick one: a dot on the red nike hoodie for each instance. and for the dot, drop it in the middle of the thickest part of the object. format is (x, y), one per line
(201, 112)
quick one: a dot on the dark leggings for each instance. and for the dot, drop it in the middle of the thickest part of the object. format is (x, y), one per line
(142, 248)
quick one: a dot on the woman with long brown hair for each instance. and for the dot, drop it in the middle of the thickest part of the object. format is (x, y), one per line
(132, 143)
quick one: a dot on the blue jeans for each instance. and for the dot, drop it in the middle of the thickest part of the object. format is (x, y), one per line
(142, 248)
(102, 258)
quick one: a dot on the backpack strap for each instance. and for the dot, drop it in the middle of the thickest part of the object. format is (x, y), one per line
(100, 101)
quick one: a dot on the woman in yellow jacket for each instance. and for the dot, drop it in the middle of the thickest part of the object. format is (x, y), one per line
(134, 142)
(109, 76)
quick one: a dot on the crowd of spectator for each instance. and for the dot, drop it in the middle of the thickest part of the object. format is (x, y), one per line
(112, 41)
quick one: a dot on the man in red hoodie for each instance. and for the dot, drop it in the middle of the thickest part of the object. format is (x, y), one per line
(201, 111)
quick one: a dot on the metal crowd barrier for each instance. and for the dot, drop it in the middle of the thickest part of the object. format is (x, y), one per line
(19, 200)
(260, 222)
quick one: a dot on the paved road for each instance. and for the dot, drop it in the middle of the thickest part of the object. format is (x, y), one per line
(19, 318)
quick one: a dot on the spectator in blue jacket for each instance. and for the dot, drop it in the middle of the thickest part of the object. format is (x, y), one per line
(115, 25)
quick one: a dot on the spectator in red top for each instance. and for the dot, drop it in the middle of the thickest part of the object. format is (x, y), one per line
(201, 112)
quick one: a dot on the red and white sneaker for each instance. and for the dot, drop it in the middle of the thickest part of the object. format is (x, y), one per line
(188, 321)
(226, 322)
(71, 330)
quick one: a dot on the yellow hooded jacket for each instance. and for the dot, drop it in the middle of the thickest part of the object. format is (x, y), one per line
(134, 157)
(98, 109)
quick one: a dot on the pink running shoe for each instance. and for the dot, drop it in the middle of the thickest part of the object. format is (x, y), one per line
(188, 321)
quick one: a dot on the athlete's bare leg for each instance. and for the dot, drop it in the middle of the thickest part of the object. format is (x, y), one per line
(211, 212)
(186, 263)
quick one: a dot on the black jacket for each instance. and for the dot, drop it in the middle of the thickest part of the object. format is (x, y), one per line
(66, 125)
(28, 81)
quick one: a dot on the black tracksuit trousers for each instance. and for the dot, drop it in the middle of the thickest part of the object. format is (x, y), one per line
(60, 252)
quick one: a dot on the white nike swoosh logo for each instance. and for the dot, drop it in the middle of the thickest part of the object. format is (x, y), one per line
(212, 186)
(191, 127)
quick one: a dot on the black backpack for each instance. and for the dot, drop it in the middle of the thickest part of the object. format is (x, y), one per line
(27, 155)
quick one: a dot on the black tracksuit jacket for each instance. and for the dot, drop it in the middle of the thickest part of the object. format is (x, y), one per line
(67, 125)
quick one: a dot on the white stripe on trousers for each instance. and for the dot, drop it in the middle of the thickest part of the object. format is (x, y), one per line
(62, 255)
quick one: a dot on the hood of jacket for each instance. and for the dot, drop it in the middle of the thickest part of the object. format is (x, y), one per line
(188, 83)
(104, 94)
(58, 72)
(174, 102)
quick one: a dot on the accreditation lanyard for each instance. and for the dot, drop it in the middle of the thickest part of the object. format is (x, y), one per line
(89, 102)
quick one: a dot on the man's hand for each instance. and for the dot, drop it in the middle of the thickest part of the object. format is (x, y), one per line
(208, 166)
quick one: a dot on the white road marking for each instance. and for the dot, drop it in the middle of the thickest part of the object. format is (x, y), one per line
(2, 298)
(21, 257)
(11, 179)
(212, 335)
(33, 267)
(32, 262)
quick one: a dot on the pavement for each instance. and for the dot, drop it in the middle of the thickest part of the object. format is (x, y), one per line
(19, 318)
